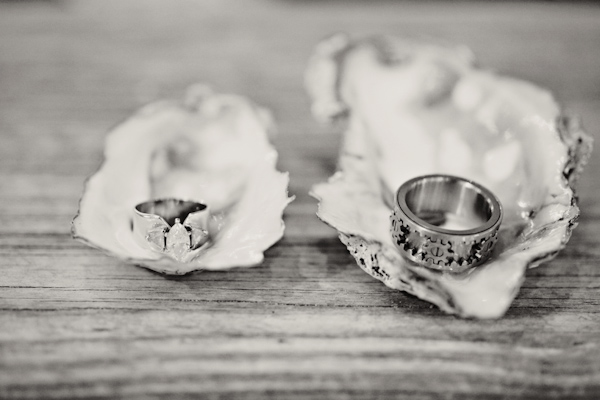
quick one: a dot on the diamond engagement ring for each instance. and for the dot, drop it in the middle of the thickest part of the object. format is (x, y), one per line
(157, 224)
(445, 222)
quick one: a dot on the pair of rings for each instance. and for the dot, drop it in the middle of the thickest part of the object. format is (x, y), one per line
(445, 222)
(439, 221)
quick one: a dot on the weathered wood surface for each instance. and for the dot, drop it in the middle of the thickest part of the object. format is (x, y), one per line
(308, 323)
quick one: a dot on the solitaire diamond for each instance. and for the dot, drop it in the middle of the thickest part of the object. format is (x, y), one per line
(178, 240)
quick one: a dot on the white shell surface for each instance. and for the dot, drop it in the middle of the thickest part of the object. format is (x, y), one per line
(415, 109)
(212, 148)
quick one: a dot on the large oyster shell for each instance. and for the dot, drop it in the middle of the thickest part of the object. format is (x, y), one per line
(209, 147)
(417, 108)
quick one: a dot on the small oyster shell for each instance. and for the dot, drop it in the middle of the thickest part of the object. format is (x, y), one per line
(417, 108)
(212, 148)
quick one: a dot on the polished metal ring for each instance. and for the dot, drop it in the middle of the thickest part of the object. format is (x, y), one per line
(158, 225)
(445, 222)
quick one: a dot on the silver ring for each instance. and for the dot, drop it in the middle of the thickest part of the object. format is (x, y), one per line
(445, 222)
(157, 224)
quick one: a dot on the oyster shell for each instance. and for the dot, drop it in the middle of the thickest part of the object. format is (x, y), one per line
(418, 108)
(212, 148)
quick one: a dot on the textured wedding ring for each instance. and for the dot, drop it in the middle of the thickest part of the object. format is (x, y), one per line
(445, 222)
(158, 225)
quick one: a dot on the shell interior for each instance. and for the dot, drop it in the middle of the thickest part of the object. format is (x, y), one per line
(417, 108)
(212, 148)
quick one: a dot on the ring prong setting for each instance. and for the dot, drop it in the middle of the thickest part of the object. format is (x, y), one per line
(176, 239)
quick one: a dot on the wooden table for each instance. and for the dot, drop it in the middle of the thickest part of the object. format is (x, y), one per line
(307, 323)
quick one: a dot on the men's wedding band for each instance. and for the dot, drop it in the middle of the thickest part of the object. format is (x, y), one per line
(425, 204)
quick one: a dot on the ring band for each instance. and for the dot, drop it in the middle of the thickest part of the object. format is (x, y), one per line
(157, 224)
(445, 222)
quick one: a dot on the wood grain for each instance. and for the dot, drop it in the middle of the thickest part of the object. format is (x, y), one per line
(308, 323)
